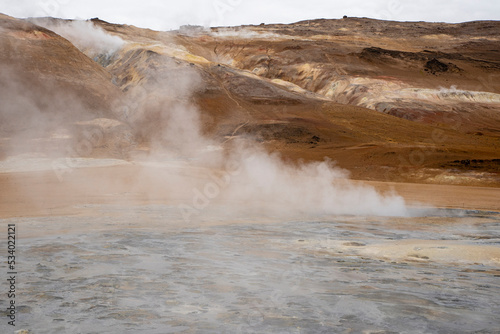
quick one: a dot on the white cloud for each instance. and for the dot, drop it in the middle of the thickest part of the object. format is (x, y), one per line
(163, 15)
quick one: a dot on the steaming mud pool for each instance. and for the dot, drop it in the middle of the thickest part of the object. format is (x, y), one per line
(119, 269)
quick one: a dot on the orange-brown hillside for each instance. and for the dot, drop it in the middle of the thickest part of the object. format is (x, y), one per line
(390, 101)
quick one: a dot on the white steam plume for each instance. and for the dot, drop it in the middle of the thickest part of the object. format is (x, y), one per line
(242, 175)
(253, 180)
(88, 38)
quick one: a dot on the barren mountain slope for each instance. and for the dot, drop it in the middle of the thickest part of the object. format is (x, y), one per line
(401, 68)
(328, 61)
(47, 87)
(325, 88)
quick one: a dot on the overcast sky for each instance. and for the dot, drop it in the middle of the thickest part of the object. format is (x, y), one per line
(166, 14)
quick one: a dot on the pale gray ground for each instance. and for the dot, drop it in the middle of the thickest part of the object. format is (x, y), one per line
(142, 269)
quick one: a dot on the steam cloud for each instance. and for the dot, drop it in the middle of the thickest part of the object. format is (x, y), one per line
(88, 38)
(262, 182)
(239, 175)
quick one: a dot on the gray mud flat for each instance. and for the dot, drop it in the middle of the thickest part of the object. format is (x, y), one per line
(143, 270)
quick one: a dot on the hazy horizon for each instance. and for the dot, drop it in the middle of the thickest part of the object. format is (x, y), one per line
(167, 15)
